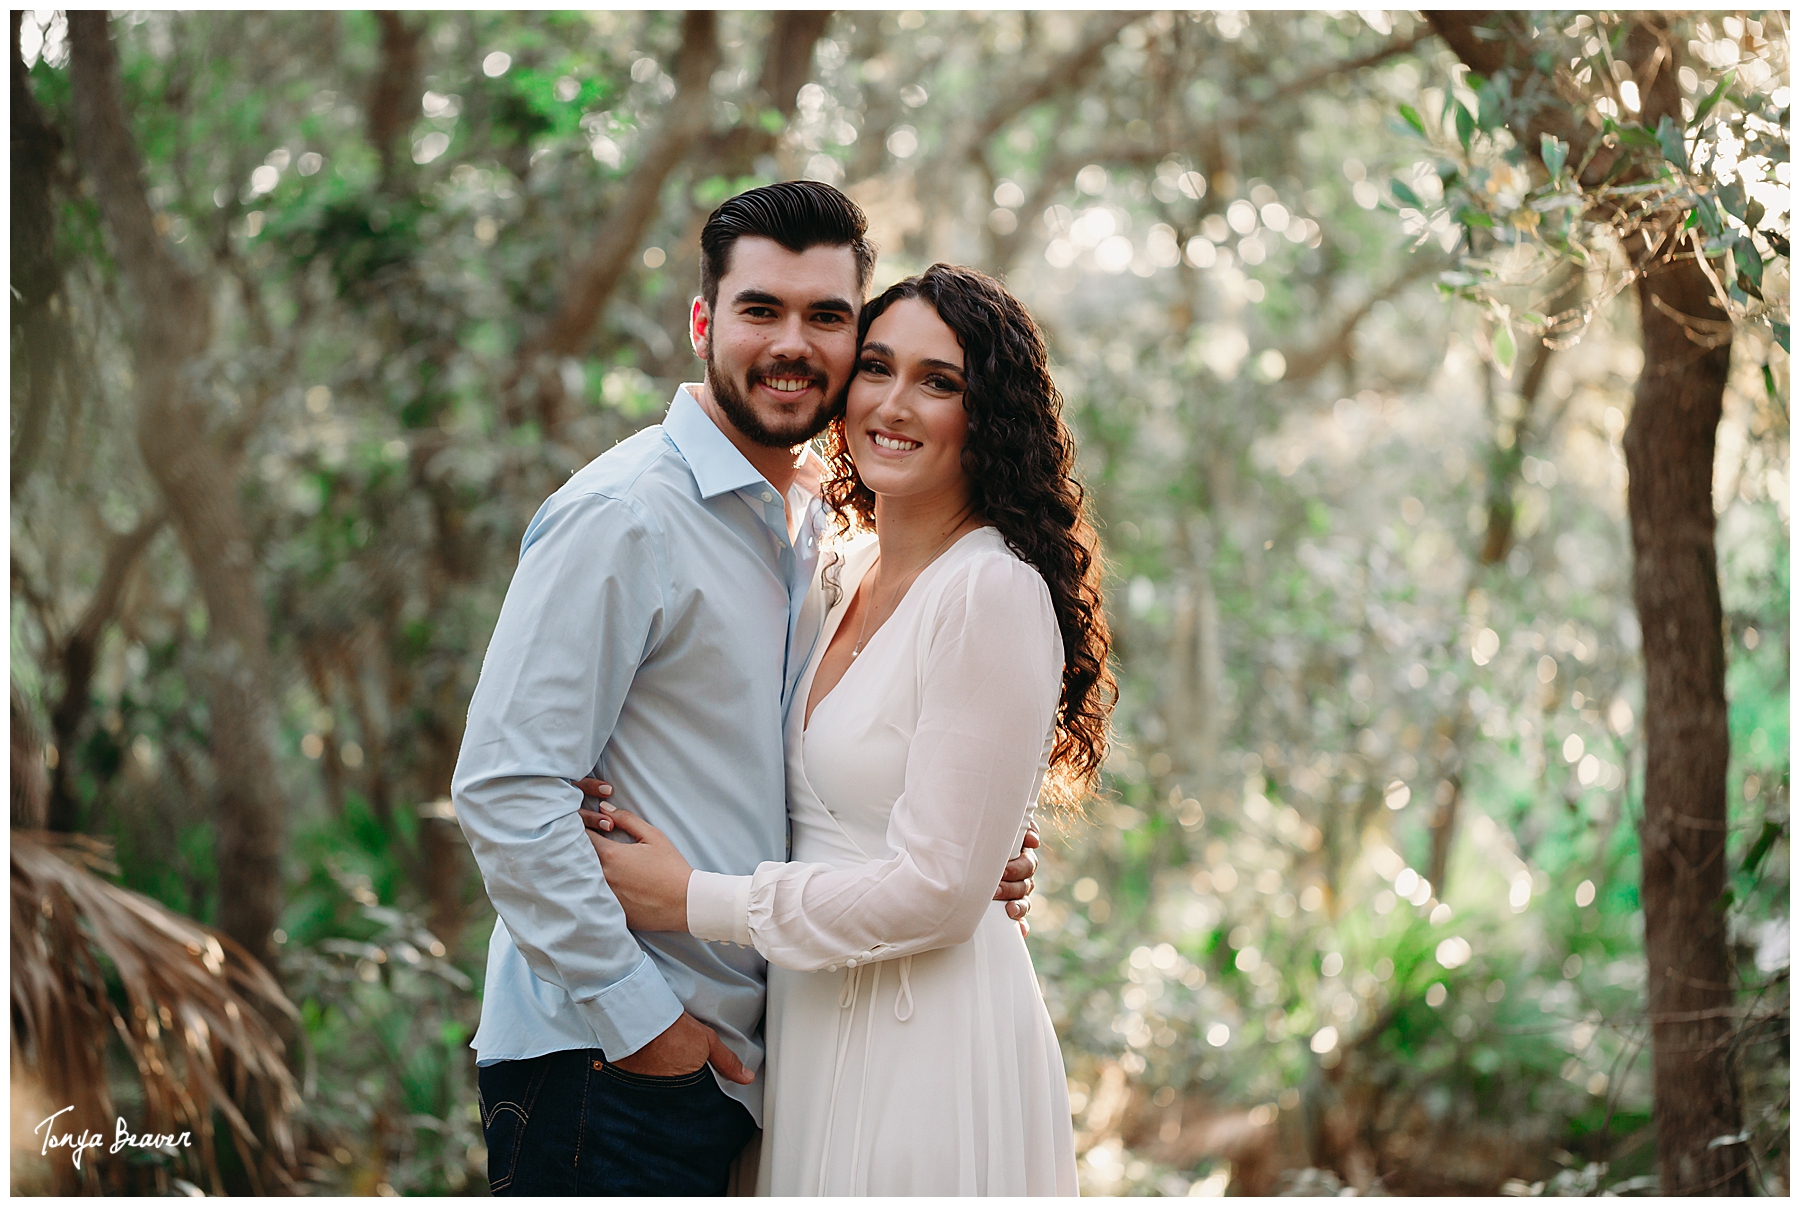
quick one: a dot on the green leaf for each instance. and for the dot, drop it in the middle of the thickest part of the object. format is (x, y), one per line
(1760, 849)
(1555, 153)
(1669, 138)
(1731, 196)
(1465, 125)
(1706, 106)
(1493, 96)
(1413, 119)
(1753, 213)
(1405, 194)
(1749, 266)
(1781, 335)
(1693, 219)
(1768, 381)
(1469, 216)
(1710, 221)
(1634, 135)
(1506, 350)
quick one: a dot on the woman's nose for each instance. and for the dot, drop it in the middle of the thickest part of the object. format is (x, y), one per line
(893, 405)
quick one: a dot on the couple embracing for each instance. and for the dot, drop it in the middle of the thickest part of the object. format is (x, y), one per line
(832, 693)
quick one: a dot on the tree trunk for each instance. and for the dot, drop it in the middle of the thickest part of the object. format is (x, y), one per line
(1669, 454)
(171, 330)
(40, 329)
(394, 96)
(1669, 446)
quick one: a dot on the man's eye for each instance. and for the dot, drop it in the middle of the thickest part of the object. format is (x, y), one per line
(758, 312)
(830, 317)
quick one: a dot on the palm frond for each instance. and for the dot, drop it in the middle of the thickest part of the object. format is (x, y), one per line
(200, 1015)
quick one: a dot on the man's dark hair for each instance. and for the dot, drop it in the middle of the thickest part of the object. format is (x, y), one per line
(798, 214)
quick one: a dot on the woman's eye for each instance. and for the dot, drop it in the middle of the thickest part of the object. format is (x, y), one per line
(944, 384)
(872, 367)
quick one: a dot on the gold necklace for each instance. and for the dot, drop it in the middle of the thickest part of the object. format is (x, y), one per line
(862, 637)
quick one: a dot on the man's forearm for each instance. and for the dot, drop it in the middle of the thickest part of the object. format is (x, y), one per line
(546, 885)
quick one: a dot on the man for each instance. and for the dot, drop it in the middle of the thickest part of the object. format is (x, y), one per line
(653, 635)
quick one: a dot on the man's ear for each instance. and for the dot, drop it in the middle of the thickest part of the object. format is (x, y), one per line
(700, 327)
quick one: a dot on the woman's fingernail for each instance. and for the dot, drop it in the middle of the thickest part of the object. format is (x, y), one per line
(605, 808)
(605, 789)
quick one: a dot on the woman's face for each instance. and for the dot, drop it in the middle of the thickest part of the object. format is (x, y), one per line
(904, 419)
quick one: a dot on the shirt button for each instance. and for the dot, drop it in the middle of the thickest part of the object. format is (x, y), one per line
(831, 968)
(767, 497)
(850, 964)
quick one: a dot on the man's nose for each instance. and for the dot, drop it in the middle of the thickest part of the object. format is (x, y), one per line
(791, 340)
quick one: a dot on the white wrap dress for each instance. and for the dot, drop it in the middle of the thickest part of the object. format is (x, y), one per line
(909, 1050)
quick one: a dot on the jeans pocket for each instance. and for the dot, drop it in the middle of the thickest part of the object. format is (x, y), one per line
(504, 1128)
(506, 1101)
(645, 1081)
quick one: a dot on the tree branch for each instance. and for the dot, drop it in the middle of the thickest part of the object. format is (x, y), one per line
(592, 282)
(77, 654)
(1491, 42)
(787, 65)
(1062, 75)
(1305, 364)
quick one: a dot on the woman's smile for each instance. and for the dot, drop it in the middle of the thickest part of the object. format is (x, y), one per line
(892, 443)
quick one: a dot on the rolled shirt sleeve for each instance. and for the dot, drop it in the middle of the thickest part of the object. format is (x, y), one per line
(585, 608)
(992, 679)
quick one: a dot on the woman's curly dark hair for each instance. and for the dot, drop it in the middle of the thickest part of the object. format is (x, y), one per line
(1020, 460)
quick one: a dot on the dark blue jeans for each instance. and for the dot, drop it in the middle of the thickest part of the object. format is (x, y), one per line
(571, 1123)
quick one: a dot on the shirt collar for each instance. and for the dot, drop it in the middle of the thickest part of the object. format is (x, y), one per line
(714, 459)
(717, 464)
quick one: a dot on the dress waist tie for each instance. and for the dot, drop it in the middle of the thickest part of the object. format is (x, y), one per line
(903, 1001)
(846, 1022)
(847, 999)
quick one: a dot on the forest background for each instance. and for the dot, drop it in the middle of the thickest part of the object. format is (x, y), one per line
(311, 310)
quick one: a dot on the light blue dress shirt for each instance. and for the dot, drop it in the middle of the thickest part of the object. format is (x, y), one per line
(653, 634)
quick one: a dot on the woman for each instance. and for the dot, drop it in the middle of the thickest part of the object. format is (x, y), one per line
(963, 670)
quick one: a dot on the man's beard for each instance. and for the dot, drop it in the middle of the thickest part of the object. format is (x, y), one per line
(745, 419)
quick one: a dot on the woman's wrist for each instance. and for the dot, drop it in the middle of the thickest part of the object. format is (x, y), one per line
(718, 907)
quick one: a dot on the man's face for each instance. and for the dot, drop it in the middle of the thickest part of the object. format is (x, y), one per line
(780, 343)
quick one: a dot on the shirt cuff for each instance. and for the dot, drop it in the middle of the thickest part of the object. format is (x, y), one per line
(630, 1013)
(718, 907)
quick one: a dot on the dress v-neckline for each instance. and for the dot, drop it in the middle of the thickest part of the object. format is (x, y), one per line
(832, 625)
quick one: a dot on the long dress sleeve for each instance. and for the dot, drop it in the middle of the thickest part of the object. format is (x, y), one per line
(991, 678)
